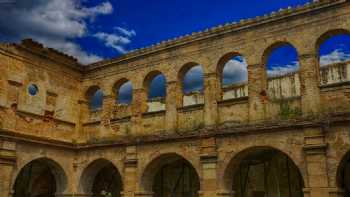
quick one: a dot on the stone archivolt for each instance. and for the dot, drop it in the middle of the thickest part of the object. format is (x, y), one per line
(299, 120)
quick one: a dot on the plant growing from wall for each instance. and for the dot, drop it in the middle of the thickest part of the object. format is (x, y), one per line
(287, 111)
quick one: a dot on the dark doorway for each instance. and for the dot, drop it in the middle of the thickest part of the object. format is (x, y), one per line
(36, 179)
(176, 179)
(267, 173)
(107, 182)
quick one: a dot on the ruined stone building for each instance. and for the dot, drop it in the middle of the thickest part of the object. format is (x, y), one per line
(285, 136)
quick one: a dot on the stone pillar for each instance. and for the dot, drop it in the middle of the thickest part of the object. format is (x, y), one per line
(315, 150)
(84, 114)
(209, 167)
(210, 102)
(107, 109)
(171, 106)
(7, 164)
(139, 106)
(130, 181)
(257, 91)
(309, 83)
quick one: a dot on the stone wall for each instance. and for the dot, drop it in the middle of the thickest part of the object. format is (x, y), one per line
(304, 115)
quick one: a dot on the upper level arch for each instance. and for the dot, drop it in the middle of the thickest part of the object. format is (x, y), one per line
(232, 76)
(328, 34)
(155, 84)
(191, 84)
(333, 55)
(281, 63)
(123, 91)
(94, 96)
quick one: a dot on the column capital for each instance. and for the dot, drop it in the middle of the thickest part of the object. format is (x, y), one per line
(210, 75)
(253, 65)
(307, 55)
(171, 82)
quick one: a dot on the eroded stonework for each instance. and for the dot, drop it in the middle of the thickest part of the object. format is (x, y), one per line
(304, 115)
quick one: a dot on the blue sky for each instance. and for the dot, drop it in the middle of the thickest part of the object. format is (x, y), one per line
(156, 20)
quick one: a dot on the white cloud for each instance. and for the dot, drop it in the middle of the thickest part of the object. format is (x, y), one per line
(116, 41)
(283, 69)
(193, 79)
(334, 57)
(55, 23)
(235, 71)
(126, 32)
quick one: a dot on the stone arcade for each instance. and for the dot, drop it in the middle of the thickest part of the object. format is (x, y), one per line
(283, 136)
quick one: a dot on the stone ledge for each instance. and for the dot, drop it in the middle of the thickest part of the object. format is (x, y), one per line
(233, 101)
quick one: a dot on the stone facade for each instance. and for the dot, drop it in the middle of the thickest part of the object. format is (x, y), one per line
(304, 115)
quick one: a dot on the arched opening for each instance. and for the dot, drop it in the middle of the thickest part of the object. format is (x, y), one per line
(40, 178)
(282, 66)
(155, 86)
(94, 95)
(192, 84)
(123, 92)
(101, 178)
(264, 172)
(233, 75)
(334, 57)
(343, 174)
(171, 175)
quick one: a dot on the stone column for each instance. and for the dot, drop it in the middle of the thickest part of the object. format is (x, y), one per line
(7, 164)
(108, 104)
(171, 106)
(84, 113)
(130, 181)
(315, 150)
(257, 91)
(309, 83)
(210, 102)
(209, 167)
(138, 106)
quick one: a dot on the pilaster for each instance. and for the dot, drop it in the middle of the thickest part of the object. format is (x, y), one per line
(209, 167)
(130, 172)
(171, 106)
(210, 102)
(257, 91)
(7, 164)
(139, 106)
(315, 149)
(309, 83)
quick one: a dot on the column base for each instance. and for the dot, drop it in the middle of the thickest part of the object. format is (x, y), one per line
(218, 193)
(224, 193)
(73, 195)
(323, 192)
(143, 194)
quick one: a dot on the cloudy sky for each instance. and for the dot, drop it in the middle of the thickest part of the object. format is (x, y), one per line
(93, 30)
